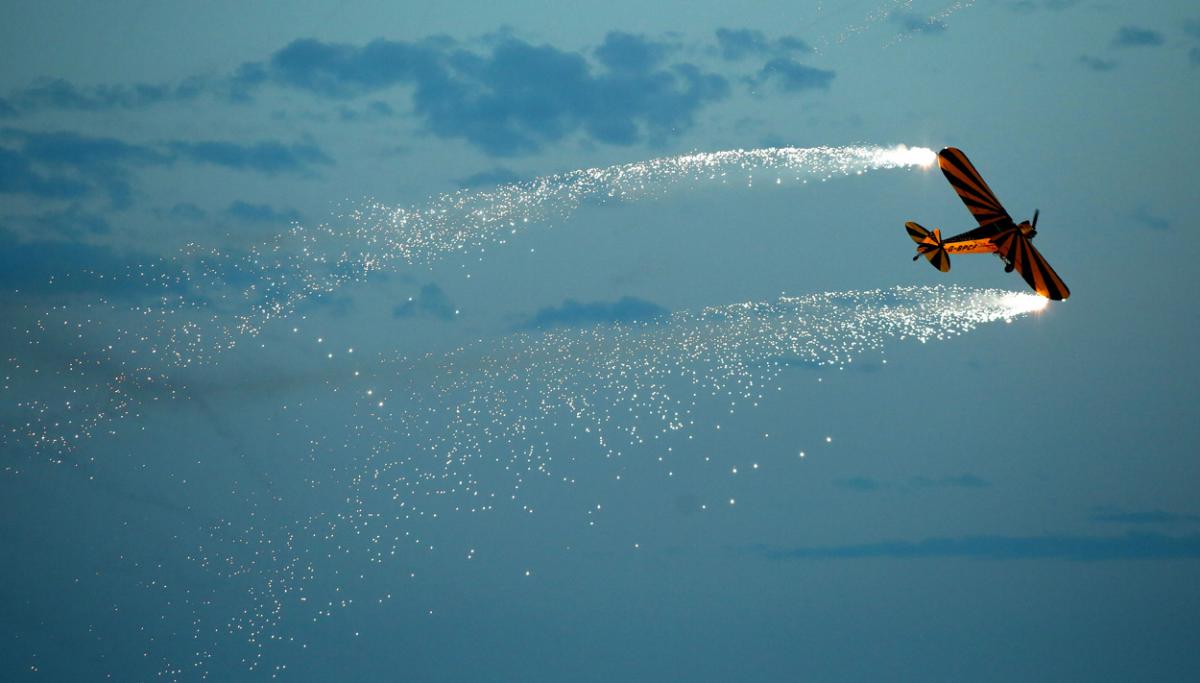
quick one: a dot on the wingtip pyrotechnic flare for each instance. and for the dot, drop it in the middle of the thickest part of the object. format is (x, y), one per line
(903, 155)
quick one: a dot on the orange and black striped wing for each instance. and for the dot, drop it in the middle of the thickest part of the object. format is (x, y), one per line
(969, 185)
(1027, 261)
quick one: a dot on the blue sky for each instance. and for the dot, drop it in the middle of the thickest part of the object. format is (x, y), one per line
(395, 476)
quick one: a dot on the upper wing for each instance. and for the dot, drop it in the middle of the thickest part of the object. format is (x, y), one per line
(1029, 262)
(970, 186)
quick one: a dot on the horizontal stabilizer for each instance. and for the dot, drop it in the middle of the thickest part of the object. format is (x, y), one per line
(929, 244)
(916, 232)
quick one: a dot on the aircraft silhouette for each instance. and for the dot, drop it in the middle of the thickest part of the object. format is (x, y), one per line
(997, 233)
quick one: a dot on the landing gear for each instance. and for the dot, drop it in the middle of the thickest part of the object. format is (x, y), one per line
(1008, 267)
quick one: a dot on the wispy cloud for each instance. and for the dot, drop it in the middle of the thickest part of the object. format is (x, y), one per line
(1097, 63)
(1143, 216)
(869, 484)
(66, 267)
(269, 157)
(1132, 546)
(17, 176)
(858, 484)
(430, 302)
(573, 313)
(1135, 36)
(69, 165)
(495, 176)
(967, 481)
(911, 22)
(187, 211)
(791, 76)
(736, 44)
(260, 213)
(57, 93)
(1192, 29)
(71, 223)
(1116, 515)
(1031, 5)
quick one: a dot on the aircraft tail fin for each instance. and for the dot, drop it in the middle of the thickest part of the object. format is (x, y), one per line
(929, 245)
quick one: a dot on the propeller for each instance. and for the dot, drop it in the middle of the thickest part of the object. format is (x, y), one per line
(1034, 221)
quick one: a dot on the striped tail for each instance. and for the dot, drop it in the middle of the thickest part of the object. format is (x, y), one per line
(929, 244)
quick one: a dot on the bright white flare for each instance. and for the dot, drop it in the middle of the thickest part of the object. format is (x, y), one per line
(903, 155)
(1018, 303)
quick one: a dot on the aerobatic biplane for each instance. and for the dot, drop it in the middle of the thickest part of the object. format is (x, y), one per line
(997, 233)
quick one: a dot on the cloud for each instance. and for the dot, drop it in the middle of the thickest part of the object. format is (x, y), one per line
(514, 99)
(1133, 36)
(269, 157)
(1132, 546)
(626, 52)
(792, 44)
(72, 223)
(99, 161)
(867, 484)
(737, 44)
(1114, 515)
(44, 266)
(1192, 28)
(1143, 216)
(496, 176)
(572, 313)
(373, 111)
(1030, 5)
(858, 484)
(187, 211)
(969, 481)
(431, 302)
(790, 76)
(911, 22)
(57, 93)
(17, 176)
(1097, 64)
(64, 148)
(69, 165)
(260, 213)
(341, 70)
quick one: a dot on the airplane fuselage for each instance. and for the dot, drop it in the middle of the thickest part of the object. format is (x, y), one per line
(983, 246)
(983, 240)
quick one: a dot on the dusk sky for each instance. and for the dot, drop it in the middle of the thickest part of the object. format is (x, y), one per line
(522, 341)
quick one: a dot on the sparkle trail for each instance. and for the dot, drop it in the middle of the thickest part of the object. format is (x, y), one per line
(186, 310)
(492, 426)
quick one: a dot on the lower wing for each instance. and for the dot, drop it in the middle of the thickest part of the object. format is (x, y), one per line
(1019, 251)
